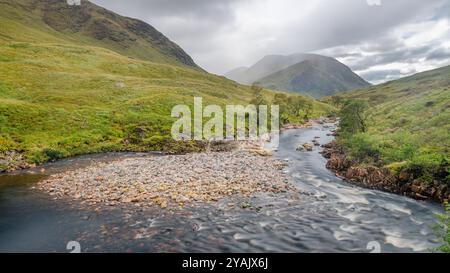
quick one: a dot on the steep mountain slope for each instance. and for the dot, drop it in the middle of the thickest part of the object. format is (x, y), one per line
(408, 131)
(87, 24)
(236, 74)
(61, 96)
(266, 66)
(318, 77)
(311, 74)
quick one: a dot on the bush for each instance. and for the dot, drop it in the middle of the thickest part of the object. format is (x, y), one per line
(354, 117)
(6, 144)
(364, 148)
(52, 154)
(442, 229)
(429, 167)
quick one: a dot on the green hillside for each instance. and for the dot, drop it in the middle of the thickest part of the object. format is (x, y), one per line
(60, 97)
(87, 25)
(408, 126)
(318, 77)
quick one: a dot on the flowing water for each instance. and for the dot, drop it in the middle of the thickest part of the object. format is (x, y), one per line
(327, 215)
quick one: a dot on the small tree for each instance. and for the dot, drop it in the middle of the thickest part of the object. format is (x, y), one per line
(282, 101)
(336, 101)
(258, 100)
(354, 116)
(258, 97)
(308, 108)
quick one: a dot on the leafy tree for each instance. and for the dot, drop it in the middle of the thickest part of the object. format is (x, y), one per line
(308, 109)
(258, 97)
(337, 101)
(354, 116)
(282, 101)
(258, 100)
(293, 108)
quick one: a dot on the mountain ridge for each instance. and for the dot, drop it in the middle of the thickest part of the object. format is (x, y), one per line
(90, 24)
(311, 74)
(268, 65)
(318, 77)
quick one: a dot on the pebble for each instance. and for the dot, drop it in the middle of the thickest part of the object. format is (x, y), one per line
(170, 181)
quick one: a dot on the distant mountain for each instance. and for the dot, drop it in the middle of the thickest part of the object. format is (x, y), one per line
(310, 74)
(89, 24)
(237, 73)
(266, 66)
(318, 77)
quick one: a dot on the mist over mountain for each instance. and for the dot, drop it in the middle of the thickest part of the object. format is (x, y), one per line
(266, 66)
(317, 77)
(310, 74)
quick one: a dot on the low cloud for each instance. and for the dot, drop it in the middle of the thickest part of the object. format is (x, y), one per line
(221, 35)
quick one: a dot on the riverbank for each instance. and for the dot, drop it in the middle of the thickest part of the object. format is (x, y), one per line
(12, 161)
(326, 215)
(170, 181)
(381, 178)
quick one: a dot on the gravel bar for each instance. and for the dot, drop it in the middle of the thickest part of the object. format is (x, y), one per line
(172, 180)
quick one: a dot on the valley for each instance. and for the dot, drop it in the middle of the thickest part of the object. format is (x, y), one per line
(321, 213)
(87, 99)
(62, 96)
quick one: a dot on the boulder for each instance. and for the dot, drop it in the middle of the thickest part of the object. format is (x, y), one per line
(261, 152)
(305, 147)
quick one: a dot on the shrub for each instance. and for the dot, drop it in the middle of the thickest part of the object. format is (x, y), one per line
(442, 229)
(395, 152)
(429, 167)
(354, 117)
(52, 154)
(293, 109)
(6, 144)
(364, 147)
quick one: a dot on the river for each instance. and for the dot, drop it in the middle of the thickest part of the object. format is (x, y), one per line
(327, 215)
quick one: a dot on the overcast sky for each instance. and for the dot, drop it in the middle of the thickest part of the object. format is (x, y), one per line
(379, 42)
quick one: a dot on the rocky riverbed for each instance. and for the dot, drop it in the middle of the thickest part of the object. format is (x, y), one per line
(326, 215)
(170, 181)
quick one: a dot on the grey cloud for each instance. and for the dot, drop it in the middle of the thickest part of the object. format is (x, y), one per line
(378, 76)
(439, 54)
(351, 30)
(199, 9)
(342, 22)
(403, 54)
(191, 23)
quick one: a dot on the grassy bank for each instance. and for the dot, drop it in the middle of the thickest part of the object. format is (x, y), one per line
(407, 128)
(60, 100)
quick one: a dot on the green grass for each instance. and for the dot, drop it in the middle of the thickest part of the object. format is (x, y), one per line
(88, 25)
(442, 229)
(409, 125)
(61, 98)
